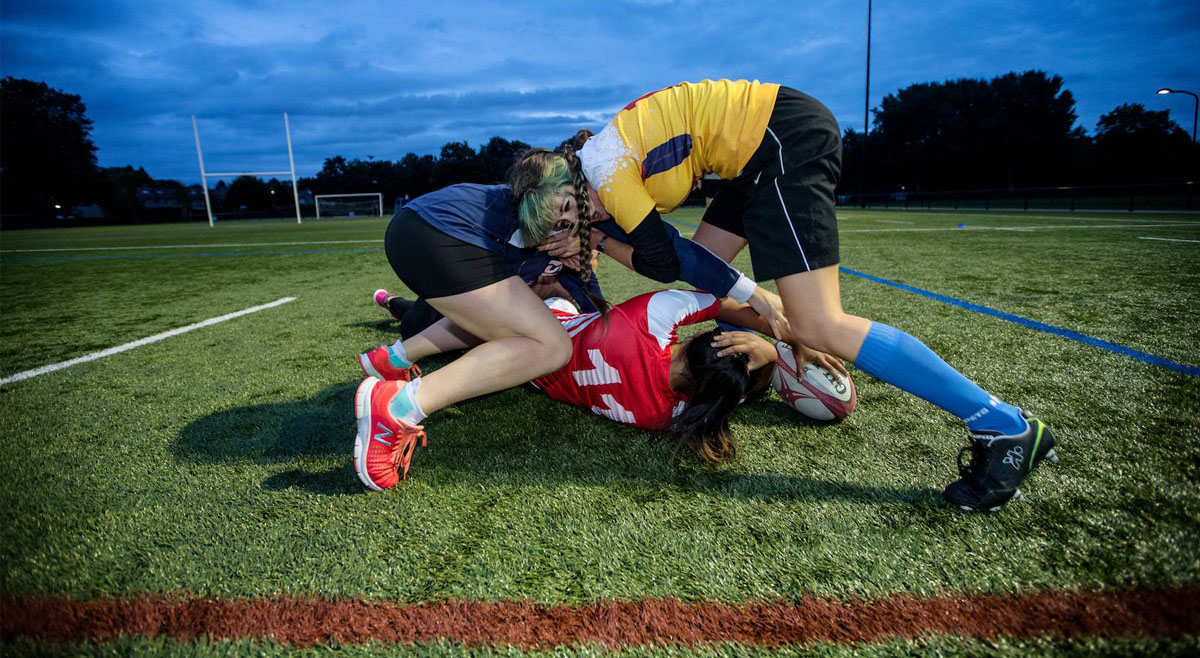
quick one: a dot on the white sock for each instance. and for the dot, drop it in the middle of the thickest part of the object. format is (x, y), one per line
(400, 353)
(404, 406)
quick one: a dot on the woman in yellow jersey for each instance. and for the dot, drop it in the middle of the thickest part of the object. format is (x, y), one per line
(781, 152)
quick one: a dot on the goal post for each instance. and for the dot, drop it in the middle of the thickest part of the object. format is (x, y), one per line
(205, 175)
(358, 204)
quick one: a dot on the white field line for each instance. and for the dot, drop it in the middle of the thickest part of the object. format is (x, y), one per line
(190, 246)
(138, 343)
(1145, 237)
(1013, 228)
(892, 221)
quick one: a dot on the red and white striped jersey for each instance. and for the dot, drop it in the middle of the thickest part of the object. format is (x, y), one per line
(620, 368)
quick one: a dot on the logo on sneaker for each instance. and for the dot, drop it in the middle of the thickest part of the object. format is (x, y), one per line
(380, 435)
(1015, 457)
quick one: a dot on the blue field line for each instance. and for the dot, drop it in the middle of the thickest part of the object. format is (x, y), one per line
(206, 254)
(680, 222)
(1145, 357)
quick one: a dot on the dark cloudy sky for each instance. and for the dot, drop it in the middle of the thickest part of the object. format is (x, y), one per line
(381, 79)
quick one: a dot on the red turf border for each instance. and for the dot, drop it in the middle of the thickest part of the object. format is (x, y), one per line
(304, 622)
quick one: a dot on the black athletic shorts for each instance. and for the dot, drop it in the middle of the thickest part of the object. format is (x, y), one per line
(433, 264)
(783, 201)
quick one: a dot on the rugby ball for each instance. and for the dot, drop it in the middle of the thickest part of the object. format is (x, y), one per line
(812, 390)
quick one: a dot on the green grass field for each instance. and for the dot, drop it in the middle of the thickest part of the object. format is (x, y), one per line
(217, 462)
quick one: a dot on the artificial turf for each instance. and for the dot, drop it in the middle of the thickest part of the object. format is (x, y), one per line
(218, 462)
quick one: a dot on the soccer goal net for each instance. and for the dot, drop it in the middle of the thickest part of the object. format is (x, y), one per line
(363, 204)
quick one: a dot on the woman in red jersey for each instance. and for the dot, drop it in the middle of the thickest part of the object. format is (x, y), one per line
(628, 365)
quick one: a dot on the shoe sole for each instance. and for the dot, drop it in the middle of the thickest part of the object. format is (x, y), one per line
(364, 362)
(1017, 495)
(362, 440)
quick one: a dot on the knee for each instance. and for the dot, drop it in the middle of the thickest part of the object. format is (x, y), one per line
(556, 350)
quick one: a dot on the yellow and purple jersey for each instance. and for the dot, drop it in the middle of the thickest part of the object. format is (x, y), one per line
(651, 155)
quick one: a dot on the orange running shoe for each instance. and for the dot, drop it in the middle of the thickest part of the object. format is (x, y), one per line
(384, 444)
(378, 363)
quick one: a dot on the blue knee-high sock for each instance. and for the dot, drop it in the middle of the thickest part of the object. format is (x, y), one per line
(906, 363)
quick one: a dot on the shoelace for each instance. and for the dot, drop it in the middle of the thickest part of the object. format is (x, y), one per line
(414, 371)
(402, 452)
(977, 456)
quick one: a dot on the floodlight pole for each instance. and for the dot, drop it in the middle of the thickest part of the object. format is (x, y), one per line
(203, 176)
(866, 108)
(292, 163)
(1195, 107)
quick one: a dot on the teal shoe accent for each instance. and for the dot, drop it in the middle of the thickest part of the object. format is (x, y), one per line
(402, 404)
(397, 361)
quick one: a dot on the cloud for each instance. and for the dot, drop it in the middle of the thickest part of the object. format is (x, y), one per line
(365, 78)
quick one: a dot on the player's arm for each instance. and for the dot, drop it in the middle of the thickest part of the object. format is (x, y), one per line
(742, 315)
(699, 267)
(654, 253)
(625, 197)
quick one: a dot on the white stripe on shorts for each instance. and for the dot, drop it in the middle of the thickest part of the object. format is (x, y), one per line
(772, 134)
(789, 222)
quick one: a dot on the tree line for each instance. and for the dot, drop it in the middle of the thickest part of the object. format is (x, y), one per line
(1013, 131)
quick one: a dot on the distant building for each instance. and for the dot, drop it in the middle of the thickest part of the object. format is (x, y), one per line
(88, 211)
(157, 198)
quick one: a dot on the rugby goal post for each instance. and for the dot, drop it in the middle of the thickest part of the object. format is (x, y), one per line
(204, 175)
(358, 204)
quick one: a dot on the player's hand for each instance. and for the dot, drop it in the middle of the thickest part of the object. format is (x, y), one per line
(768, 305)
(834, 365)
(743, 342)
(572, 262)
(561, 244)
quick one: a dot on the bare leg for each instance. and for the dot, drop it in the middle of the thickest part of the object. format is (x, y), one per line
(523, 341)
(813, 303)
(439, 337)
(724, 244)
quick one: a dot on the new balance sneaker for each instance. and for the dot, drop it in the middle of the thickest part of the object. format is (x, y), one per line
(998, 465)
(379, 363)
(384, 444)
(394, 304)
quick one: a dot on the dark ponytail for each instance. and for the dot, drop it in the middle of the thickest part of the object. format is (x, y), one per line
(716, 387)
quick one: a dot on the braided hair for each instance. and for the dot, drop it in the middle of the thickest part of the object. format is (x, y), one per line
(536, 178)
(583, 200)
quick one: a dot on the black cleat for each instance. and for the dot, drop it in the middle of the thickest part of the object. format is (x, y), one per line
(998, 465)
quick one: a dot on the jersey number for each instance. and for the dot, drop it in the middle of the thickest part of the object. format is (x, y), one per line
(602, 373)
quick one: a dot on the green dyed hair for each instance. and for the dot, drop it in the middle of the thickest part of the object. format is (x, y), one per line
(537, 179)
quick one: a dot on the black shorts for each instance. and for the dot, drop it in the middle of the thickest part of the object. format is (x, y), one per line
(433, 264)
(783, 201)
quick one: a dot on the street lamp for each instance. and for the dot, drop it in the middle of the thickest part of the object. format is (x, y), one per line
(1195, 109)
